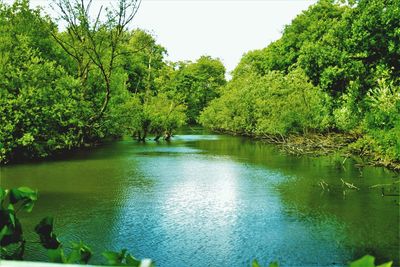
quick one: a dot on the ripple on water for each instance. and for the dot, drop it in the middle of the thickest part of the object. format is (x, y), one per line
(207, 200)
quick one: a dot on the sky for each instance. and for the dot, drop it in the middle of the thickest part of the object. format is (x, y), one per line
(225, 29)
(219, 28)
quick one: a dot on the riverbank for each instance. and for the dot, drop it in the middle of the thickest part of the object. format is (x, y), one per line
(317, 144)
(343, 144)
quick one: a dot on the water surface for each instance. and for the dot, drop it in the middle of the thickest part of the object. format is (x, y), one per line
(213, 200)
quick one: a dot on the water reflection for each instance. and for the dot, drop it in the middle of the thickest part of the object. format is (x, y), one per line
(207, 200)
(370, 222)
(198, 207)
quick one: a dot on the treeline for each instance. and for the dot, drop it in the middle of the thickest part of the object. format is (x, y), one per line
(93, 80)
(335, 69)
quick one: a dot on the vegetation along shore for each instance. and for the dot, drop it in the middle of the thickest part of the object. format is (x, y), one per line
(331, 82)
(332, 78)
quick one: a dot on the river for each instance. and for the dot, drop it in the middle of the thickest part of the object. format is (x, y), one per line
(213, 200)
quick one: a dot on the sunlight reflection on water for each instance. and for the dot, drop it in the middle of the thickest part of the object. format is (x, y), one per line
(207, 200)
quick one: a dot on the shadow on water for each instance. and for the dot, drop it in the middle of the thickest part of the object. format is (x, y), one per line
(206, 200)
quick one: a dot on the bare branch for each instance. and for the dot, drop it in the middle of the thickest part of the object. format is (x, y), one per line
(97, 18)
(63, 46)
(88, 39)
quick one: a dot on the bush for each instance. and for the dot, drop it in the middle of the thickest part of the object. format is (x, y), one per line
(382, 122)
(348, 115)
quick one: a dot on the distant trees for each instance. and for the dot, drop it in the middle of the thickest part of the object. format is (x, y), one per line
(166, 95)
(197, 83)
(271, 104)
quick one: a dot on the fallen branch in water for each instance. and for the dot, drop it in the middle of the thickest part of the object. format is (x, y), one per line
(388, 195)
(380, 185)
(349, 185)
(324, 185)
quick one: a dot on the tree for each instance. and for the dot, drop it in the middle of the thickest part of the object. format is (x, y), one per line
(336, 67)
(274, 104)
(41, 106)
(197, 83)
(95, 44)
(143, 61)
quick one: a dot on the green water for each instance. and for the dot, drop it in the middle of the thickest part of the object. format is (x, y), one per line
(213, 200)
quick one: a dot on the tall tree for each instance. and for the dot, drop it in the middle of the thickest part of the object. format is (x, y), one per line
(95, 44)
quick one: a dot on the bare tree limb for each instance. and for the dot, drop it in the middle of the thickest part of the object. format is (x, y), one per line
(87, 39)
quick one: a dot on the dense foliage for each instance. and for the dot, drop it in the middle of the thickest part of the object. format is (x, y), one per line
(366, 261)
(197, 83)
(61, 90)
(41, 106)
(336, 68)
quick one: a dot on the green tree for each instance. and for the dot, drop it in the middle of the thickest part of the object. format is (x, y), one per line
(56, 87)
(321, 75)
(197, 83)
(143, 62)
(96, 44)
(269, 105)
(41, 107)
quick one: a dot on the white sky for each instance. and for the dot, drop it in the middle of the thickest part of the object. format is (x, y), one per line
(219, 28)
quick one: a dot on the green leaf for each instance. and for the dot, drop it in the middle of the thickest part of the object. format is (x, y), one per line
(12, 218)
(56, 255)
(81, 253)
(274, 264)
(74, 257)
(5, 231)
(24, 194)
(10, 207)
(255, 264)
(28, 205)
(3, 252)
(3, 194)
(13, 234)
(366, 261)
(132, 261)
(114, 258)
(45, 227)
(387, 264)
(45, 231)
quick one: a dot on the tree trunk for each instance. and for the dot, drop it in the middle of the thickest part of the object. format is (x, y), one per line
(167, 136)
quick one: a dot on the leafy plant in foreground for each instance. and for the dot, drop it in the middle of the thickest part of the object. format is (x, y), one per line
(256, 264)
(13, 243)
(366, 261)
